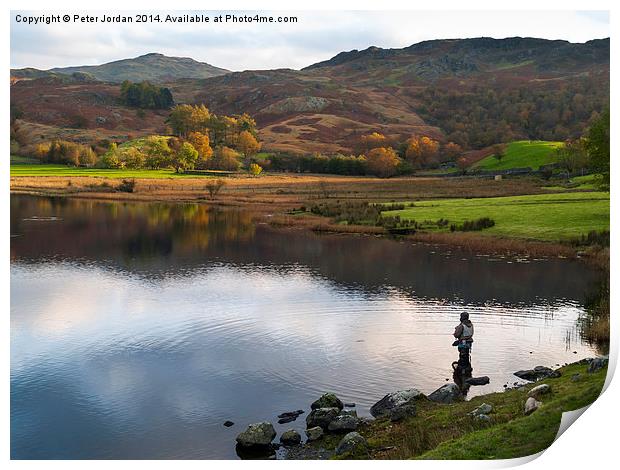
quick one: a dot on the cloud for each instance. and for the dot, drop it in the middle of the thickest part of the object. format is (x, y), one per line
(316, 36)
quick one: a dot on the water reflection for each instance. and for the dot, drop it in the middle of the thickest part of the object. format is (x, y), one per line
(138, 329)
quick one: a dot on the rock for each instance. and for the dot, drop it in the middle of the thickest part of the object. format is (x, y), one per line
(537, 373)
(290, 438)
(598, 363)
(289, 416)
(539, 390)
(448, 393)
(343, 423)
(483, 409)
(401, 412)
(348, 413)
(349, 405)
(478, 380)
(257, 435)
(531, 405)
(100, 120)
(483, 418)
(575, 378)
(228, 423)
(327, 400)
(321, 417)
(351, 442)
(394, 400)
(314, 433)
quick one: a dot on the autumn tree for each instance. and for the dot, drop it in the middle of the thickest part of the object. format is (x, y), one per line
(371, 141)
(499, 151)
(248, 145)
(452, 150)
(226, 159)
(382, 162)
(202, 145)
(255, 169)
(462, 164)
(421, 151)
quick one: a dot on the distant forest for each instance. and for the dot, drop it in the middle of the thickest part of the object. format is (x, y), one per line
(145, 95)
(479, 116)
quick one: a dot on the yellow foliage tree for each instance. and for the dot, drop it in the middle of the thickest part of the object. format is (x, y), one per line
(422, 151)
(382, 162)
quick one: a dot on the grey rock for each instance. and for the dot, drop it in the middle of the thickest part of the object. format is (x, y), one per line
(314, 433)
(290, 438)
(478, 380)
(228, 423)
(448, 393)
(598, 363)
(539, 390)
(351, 442)
(327, 400)
(350, 405)
(531, 405)
(257, 434)
(401, 412)
(483, 409)
(575, 378)
(537, 373)
(321, 417)
(343, 423)
(483, 418)
(348, 413)
(394, 400)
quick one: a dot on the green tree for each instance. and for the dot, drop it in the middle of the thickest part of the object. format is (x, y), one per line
(185, 158)
(597, 145)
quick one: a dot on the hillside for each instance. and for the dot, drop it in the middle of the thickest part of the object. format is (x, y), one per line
(156, 68)
(475, 92)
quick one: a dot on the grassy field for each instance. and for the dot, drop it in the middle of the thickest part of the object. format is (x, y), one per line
(548, 217)
(521, 154)
(64, 170)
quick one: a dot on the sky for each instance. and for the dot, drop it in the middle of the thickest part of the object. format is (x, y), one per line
(316, 36)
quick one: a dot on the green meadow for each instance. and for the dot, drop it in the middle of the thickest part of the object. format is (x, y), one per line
(549, 217)
(522, 154)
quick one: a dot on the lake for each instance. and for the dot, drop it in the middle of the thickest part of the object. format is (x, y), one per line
(137, 329)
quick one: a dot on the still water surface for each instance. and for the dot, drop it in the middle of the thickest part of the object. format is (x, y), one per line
(138, 329)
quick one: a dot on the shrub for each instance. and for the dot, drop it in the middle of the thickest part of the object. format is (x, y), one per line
(214, 187)
(254, 169)
(127, 186)
(473, 225)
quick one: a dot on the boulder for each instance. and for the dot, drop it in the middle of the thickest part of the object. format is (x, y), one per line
(257, 435)
(327, 400)
(537, 373)
(348, 413)
(539, 390)
(290, 438)
(391, 401)
(598, 363)
(321, 417)
(343, 423)
(448, 393)
(289, 416)
(478, 380)
(401, 412)
(531, 405)
(483, 418)
(314, 433)
(352, 442)
(483, 409)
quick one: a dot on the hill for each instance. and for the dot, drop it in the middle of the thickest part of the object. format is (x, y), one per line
(522, 154)
(475, 92)
(156, 68)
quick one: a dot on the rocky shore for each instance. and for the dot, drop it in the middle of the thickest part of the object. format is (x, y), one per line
(334, 429)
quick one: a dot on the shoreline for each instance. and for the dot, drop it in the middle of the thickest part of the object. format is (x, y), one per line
(275, 207)
(451, 431)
